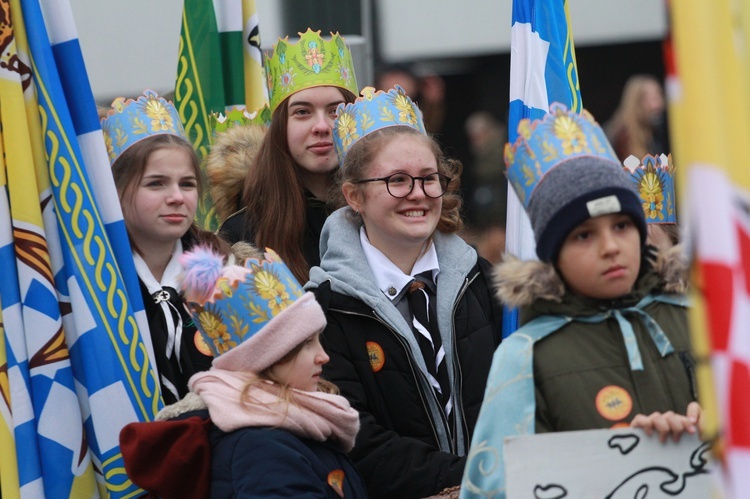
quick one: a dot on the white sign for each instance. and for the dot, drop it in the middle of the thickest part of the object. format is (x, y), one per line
(621, 463)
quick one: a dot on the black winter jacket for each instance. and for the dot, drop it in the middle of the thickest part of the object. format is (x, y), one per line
(403, 449)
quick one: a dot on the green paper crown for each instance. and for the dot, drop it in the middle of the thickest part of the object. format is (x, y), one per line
(311, 62)
(239, 116)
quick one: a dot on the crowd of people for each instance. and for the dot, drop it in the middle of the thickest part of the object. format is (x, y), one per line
(337, 337)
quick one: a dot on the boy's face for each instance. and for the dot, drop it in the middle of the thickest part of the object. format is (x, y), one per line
(601, 257)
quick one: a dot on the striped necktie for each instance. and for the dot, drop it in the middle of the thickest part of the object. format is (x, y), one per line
(425, 327)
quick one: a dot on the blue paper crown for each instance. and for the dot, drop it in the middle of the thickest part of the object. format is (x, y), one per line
(132, 120)
(654, 179)
(373, 111)
(545, 143)
(242, 303)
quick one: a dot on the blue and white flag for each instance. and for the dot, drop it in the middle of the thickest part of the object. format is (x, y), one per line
(542, 71)
(91, 374)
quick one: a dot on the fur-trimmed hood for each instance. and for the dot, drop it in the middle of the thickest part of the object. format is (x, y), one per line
(520, 283)
(232, 155)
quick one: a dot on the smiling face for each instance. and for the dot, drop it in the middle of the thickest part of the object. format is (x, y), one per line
(397, 226)
(302, 371)
(309, 129)
(601, 257)
(161, 207)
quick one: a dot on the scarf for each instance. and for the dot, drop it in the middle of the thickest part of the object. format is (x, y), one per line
(160, 294)
(315, 415)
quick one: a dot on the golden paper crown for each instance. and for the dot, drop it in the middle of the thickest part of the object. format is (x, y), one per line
(310, 62)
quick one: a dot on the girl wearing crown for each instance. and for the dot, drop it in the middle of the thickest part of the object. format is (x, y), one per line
(286, 188)
(158, 181)
(276, 428)
(412, 322)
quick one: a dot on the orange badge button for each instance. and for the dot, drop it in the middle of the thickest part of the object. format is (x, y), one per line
(336, 481)
(201, 345)
(614, 403)
(376, 355)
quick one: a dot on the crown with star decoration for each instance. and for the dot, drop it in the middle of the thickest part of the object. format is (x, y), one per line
(654, 179)
(309, 62)
(129, 121)
(542, 144)
(238, 116)
(372, 111)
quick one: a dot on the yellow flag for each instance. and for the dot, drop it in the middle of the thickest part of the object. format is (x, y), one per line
(710, 110)
(256, 92)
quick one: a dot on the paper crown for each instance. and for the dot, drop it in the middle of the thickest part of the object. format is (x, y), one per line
(251, 316)
(373, 111)
(654, 180)
(239, 116)
(310, 62)
(129, 121)
(231, 304)
(543, 144)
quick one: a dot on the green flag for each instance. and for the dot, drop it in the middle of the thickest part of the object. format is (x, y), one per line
(210, 76)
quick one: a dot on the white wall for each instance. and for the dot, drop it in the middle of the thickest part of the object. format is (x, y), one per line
(132, 45)
(413, 29)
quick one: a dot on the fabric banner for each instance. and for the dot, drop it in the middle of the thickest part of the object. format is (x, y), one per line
(542, 71)
(73, 369)
(256, 91)
(710, 106)
(215, 41)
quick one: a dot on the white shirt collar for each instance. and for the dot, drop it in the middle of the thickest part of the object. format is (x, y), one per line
(388, 277)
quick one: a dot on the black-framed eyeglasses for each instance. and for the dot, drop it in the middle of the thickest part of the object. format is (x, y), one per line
(400, 185)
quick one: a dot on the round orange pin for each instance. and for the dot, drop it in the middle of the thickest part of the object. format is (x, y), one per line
(201, 345)
(376, 355)
(613, 403)
(336, 481)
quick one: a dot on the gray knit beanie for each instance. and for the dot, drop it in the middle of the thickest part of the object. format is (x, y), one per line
(575, 190)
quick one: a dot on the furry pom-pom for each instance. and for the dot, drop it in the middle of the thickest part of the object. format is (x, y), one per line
(203, 267)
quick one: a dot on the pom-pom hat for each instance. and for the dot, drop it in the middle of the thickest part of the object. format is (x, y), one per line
(565, 171)
(251, 316)
(130, 121)
(310, 62)
(373, 111)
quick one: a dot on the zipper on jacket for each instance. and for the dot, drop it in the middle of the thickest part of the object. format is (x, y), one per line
(411, 366)
(458, 382)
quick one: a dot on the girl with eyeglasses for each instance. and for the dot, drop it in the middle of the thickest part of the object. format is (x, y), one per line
(412, 321)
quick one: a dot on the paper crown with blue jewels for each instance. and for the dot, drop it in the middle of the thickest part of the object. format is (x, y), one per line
(545, 143)
(654, 180)
(310, 62)
(371, 112)
(129, 121)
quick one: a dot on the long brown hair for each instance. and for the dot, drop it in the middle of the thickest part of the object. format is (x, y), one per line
(629, 130)
(274, 195)
(128, 170)
(359, 157)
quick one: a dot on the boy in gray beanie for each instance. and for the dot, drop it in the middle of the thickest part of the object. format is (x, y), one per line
(605, 338)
